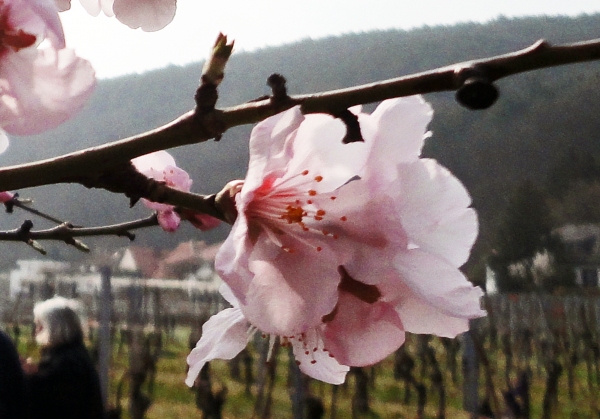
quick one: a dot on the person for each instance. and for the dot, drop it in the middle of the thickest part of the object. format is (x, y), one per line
(65, 383)
(11, 380)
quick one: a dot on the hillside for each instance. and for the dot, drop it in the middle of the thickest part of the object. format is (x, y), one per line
(538, 118)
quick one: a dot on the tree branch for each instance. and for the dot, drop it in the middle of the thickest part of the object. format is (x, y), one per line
(193, 128)
(66, 232)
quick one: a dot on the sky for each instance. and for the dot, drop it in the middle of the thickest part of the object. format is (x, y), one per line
(114, 49)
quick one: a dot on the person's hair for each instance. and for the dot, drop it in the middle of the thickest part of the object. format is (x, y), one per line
(59, 320)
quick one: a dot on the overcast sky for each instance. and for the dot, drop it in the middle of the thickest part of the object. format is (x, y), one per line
(115, 49)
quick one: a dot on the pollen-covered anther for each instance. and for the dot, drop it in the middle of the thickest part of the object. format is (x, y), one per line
(343, 218)
(319, 248)
(312, 192)
(304, 172)
(314, 361)
(318, 178)
(293, 214)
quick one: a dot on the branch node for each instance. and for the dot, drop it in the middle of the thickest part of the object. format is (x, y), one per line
(353, 133)
(277, 84)
(476, 91)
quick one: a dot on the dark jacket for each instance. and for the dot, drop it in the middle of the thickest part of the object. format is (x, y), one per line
(11, 380)
(66, 385)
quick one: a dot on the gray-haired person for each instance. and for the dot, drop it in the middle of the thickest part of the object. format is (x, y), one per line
(65, 383)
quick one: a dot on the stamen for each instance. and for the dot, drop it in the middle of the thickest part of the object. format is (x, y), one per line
(318, 178)
(272, 340)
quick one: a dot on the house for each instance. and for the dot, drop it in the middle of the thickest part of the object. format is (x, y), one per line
(582, 250)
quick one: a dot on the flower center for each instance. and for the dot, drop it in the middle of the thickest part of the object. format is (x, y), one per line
(11, 37)
(278, 209)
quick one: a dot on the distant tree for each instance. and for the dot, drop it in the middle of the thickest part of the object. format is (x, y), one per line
(524, 233)
(572, 169)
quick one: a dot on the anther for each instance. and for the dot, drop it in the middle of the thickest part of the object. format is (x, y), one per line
(318, 178)
(305, 172)
(344, 218)
(312, 192)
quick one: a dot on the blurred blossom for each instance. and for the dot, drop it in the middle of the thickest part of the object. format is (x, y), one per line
(161, 167)
(149, 15)
(40, 87)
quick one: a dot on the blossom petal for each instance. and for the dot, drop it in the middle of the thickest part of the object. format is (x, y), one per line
(169, 220)
(433, 206)
(281, 297)
(94, 7)
(63, 5)
(202, 222)
(362, 333)
(270, 147)
(232, 259)
(318, 148)
(47, 12)
(3, 141)
(371, 232)
(315, 361)
(43, 89)
(6, 196)
(418, 316)
(154, 164)
(224, 336)
(150, 15)
(397, 129)
(439, 284)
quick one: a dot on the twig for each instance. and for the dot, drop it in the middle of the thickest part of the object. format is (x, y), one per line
(16, 202)
(67, 233)
(190, 129)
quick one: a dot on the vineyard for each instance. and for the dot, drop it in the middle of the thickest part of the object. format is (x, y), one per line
(534, 356)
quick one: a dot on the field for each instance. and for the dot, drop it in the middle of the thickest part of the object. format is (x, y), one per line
(551, 343)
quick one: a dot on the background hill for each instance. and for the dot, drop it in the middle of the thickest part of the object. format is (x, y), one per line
(539, 118)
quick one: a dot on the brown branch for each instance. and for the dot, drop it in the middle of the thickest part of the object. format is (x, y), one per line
(192, 128)
(65, 232)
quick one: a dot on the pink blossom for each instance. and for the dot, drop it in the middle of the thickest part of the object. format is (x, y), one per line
(226, 334)
(360, 240)
(40, 87)
(149, 15)
(161, 166)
